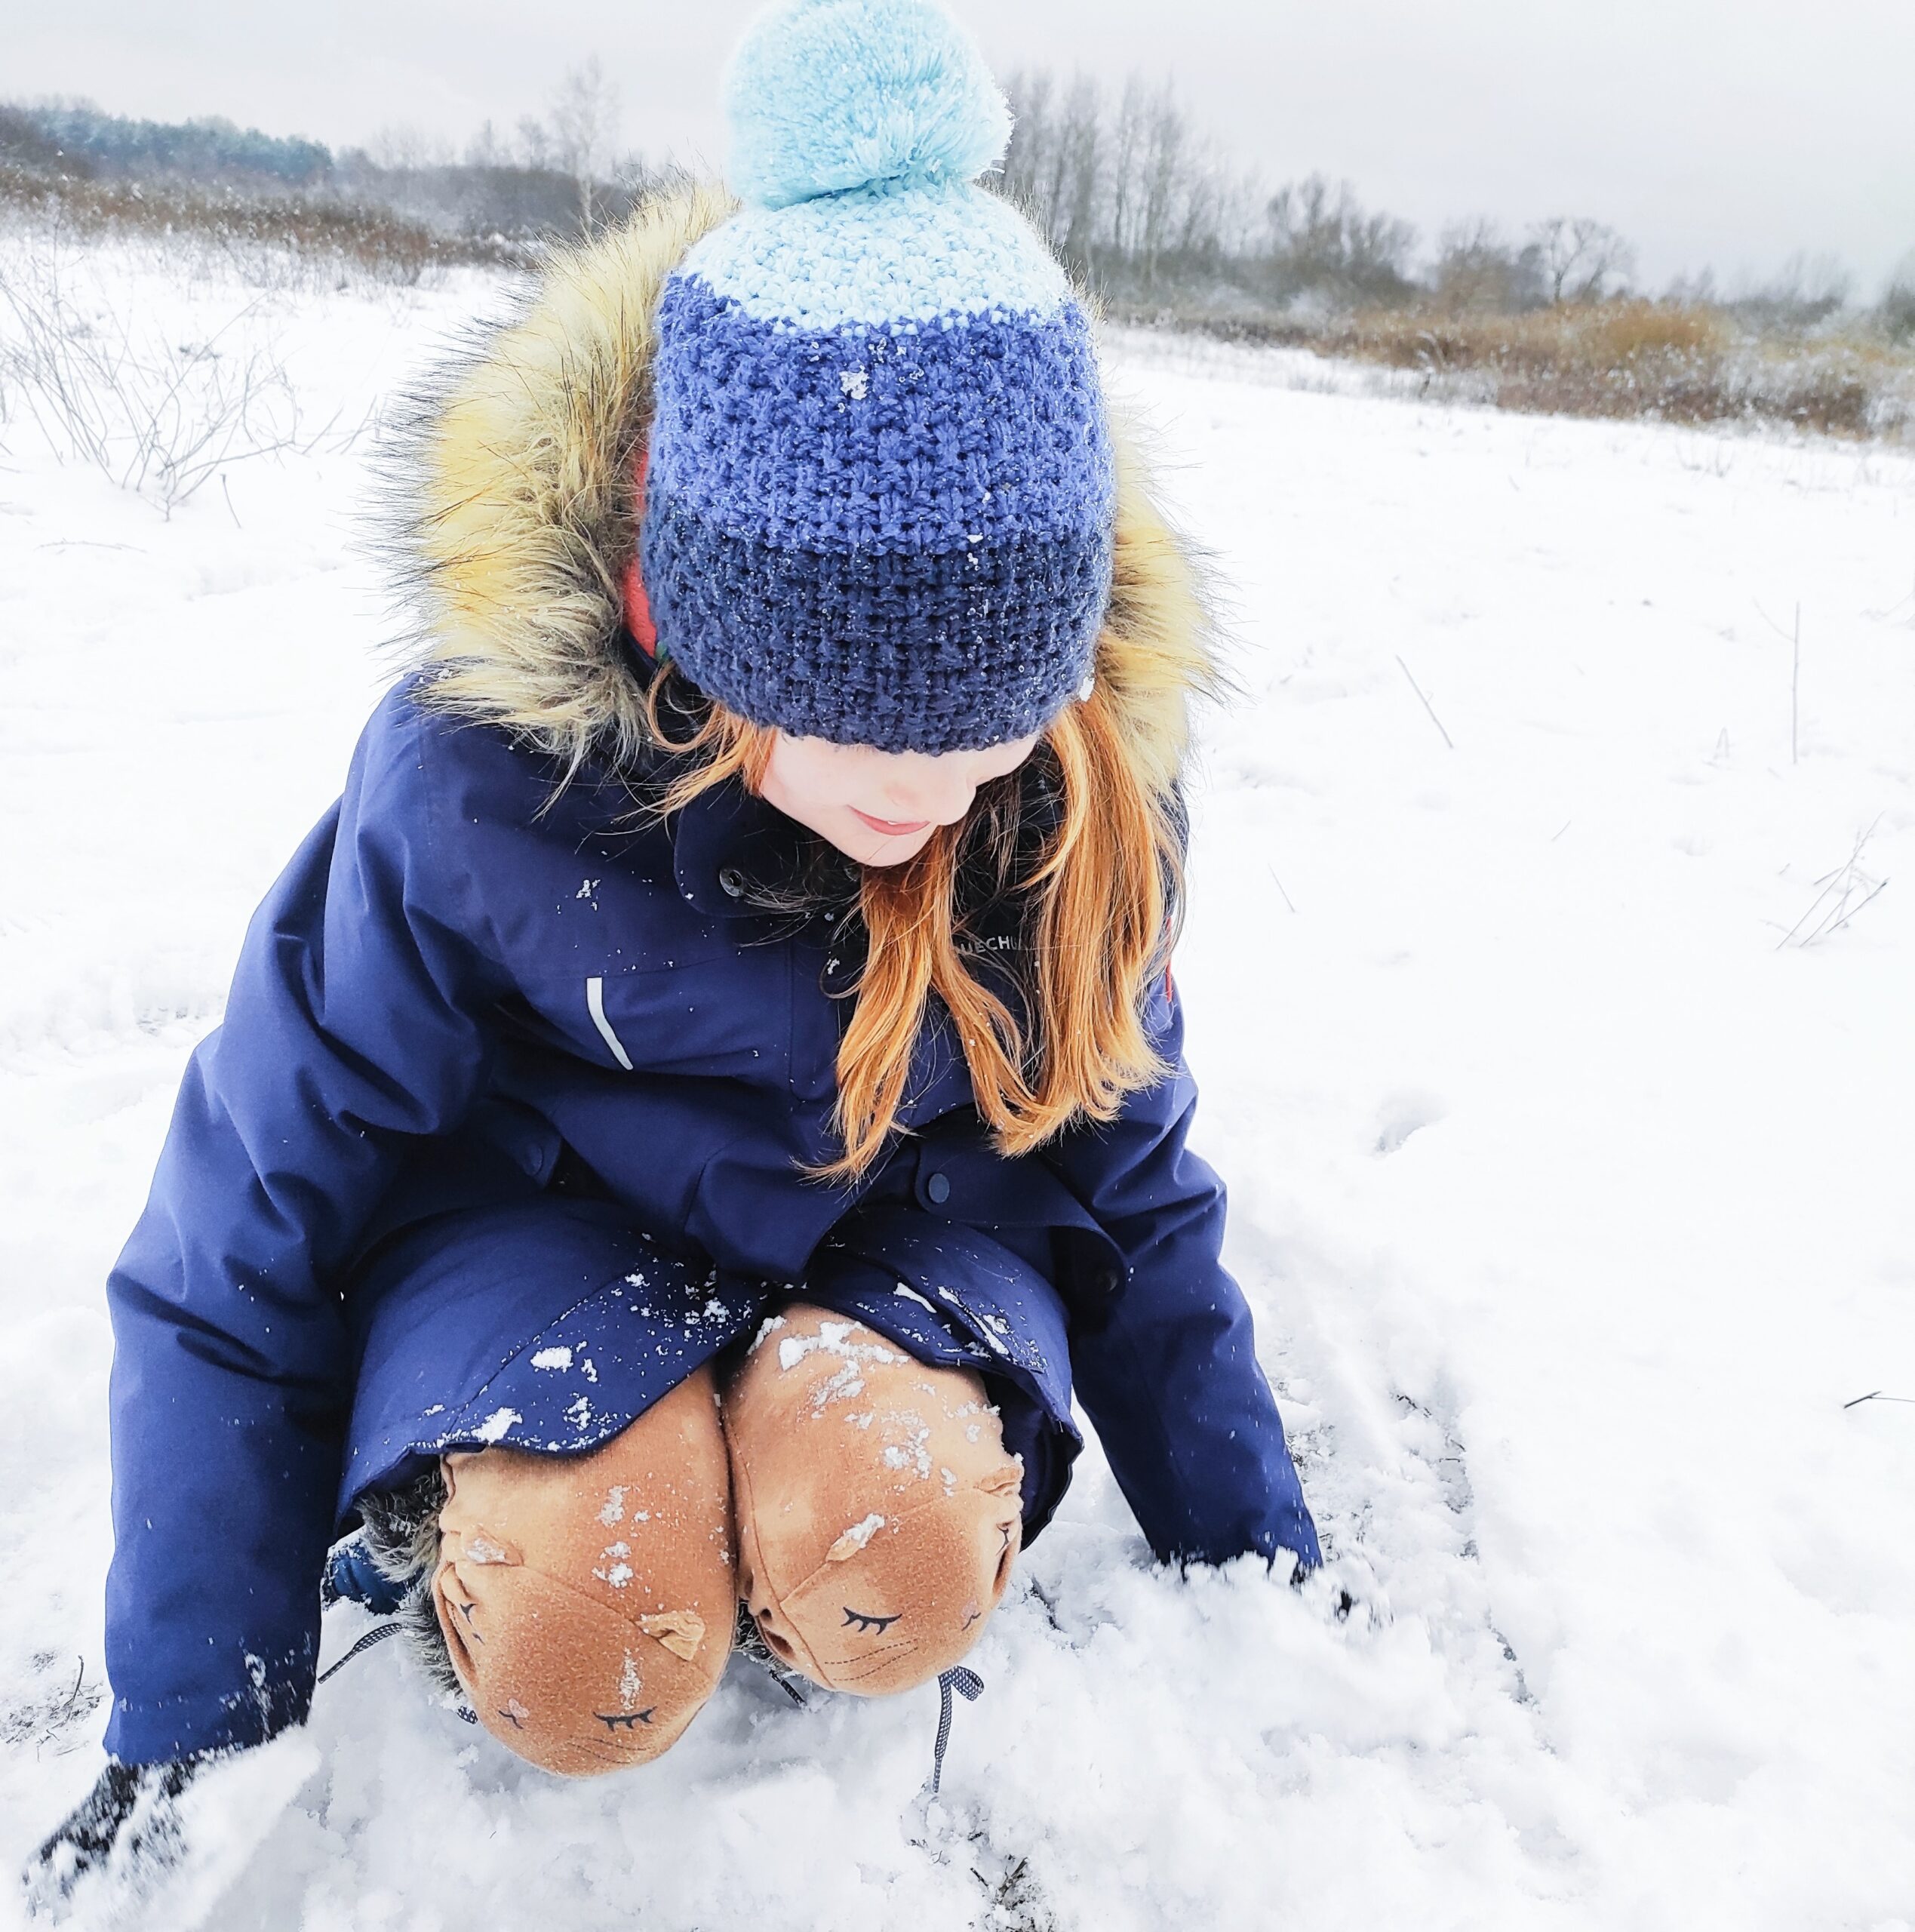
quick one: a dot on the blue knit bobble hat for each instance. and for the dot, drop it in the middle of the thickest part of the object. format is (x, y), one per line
(879, 493)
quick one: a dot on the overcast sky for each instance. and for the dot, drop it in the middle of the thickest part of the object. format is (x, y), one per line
(1729, 132)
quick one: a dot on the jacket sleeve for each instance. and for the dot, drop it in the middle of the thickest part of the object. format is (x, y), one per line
(1167, 1369)
(354, 1025)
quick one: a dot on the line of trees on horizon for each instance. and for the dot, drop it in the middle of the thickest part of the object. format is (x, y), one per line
(558, 174)
(1140, 206)
(1145, 210)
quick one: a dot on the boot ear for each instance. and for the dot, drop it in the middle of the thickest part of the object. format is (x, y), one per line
(1001, 1520)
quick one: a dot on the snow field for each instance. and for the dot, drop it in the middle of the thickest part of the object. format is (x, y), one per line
(1543, 1135)
(1573, 1204)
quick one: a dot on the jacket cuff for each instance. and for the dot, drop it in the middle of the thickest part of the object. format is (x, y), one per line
(159, 1731)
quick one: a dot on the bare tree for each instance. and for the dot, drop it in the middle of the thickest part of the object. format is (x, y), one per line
(1126, 191)
(1167, 182)
(579, 132)
(1038, 169)
(1080, 150)
(486, 149)
(1697, 291)
(1581, 256)
(1808, 289)
(1323, 241)
(1477, 272)
(1126, 145)
(1897, 312)
(408, 149)
(534, 142)
(1024, 177)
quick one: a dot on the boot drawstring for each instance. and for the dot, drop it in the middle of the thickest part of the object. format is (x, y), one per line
(378, 1635)
(969, 1686)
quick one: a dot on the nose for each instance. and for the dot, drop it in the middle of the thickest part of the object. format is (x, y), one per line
(921, 786)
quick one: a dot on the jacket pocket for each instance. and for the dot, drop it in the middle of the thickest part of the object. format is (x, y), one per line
(727, 1018)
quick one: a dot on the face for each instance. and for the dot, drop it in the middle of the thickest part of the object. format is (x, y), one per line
(880, 808)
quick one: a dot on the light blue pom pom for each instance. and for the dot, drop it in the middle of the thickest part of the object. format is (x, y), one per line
(827, 95)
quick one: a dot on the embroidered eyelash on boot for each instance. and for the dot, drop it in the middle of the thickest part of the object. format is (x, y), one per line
(614, 1722)
(880, 1624)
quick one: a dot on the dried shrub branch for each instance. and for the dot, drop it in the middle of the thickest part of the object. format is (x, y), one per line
(156, 415)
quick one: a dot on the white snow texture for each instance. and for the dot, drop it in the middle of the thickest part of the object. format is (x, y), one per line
(1573, 1204)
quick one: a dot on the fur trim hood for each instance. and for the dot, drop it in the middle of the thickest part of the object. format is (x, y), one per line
(518, 520)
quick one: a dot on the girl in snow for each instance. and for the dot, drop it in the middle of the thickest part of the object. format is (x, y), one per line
(689, 1119)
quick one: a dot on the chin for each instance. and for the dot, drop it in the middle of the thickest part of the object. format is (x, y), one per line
(868, 848)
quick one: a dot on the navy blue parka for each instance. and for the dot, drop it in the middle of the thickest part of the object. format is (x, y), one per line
(484, 997)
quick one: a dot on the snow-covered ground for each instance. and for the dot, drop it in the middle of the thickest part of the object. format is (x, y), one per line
(1572, 1193)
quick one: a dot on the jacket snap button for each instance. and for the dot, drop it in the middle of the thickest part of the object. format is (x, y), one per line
(733, 881)
(939, 1188)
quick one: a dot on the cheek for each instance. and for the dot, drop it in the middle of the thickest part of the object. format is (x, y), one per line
(789, 785)
(777, 786)
(798, 781)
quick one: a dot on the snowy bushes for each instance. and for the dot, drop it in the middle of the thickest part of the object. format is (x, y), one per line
(278, 243)
(108, 385)
(1678, 364)
(1671, 361)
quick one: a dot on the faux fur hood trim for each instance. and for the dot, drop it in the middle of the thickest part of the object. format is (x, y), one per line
(401, 1533)
(517, 520)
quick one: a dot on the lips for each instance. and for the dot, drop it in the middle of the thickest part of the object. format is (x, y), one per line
(891, 828)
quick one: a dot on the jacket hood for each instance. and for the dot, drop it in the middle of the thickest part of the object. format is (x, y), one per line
(518, 520)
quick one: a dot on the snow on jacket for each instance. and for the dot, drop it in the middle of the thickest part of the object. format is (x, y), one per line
(461, 986)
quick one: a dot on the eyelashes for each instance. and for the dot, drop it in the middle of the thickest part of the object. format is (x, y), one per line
(612, 1722)
(864, 1622)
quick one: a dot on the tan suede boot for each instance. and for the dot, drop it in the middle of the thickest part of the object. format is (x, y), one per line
(878, 1513)
(588, 1601)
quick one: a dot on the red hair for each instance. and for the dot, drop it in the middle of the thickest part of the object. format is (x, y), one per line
(1100, 899)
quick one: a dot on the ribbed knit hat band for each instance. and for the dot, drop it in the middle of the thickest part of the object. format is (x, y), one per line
(879, 493)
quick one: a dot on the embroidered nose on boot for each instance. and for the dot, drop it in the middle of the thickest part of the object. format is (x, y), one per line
(879, 1515)
(587, 1601)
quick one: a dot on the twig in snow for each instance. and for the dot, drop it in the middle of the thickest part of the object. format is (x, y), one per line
(1876, 1395)
(1272, 871)
(1428, 706)
(1837, 903)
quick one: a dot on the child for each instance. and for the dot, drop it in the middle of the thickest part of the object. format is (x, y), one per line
(691, 1118)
